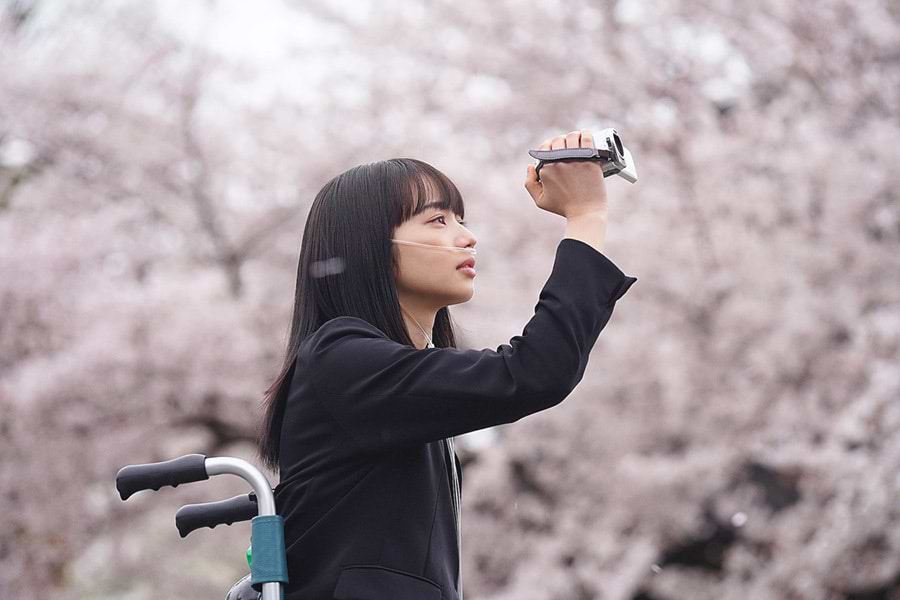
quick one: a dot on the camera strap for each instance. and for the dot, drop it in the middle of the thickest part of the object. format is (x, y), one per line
(570, 154)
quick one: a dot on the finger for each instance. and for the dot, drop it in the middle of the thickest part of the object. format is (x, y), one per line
(545, 145)
(558, 143)
(587, 139)
(573, 139)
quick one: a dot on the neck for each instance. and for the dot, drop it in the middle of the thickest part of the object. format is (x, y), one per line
(414, 317)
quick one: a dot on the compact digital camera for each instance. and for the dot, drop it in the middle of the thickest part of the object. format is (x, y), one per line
(608, 150)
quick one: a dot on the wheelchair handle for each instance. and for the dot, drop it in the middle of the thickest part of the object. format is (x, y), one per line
(269, 568)
(210, 514)
(152, 476)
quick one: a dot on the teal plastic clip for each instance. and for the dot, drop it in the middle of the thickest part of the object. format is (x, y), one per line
(268, 562)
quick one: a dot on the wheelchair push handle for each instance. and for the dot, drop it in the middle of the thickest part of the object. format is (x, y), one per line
(269, 567)
(152, 476)
(209, 514)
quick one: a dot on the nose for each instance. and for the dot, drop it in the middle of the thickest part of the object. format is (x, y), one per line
(471, 240)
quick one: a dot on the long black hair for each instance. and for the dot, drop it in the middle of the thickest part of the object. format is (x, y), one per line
(347, 266)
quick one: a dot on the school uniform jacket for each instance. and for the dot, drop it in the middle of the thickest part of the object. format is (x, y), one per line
(368, 489)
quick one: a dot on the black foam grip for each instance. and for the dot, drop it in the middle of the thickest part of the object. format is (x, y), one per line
(209, 514)
(152, 476)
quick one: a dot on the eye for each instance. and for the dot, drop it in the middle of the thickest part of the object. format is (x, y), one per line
(463, 223)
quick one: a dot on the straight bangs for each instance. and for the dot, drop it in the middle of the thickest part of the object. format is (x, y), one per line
(426, 187)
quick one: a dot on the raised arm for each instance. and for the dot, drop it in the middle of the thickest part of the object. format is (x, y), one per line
(386, 394)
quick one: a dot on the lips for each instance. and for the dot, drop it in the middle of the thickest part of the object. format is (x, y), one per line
(469, 262)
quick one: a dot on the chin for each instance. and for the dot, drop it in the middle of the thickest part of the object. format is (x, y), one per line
(461, 298)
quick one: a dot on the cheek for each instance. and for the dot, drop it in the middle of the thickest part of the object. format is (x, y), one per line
(424, 274)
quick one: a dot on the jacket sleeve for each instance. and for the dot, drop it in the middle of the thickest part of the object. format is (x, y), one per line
(386, 394)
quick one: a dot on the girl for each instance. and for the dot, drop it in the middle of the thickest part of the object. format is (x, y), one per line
(360, 420)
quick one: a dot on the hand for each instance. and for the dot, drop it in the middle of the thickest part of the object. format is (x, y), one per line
(569, 188)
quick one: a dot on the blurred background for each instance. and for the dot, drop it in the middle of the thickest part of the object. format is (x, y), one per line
(737, 432)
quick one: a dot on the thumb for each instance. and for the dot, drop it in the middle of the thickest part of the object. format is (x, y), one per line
(531, 181)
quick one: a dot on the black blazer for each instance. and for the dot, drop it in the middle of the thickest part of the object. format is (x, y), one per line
(367, 491)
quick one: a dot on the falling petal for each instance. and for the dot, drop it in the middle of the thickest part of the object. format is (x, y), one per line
(324, 268)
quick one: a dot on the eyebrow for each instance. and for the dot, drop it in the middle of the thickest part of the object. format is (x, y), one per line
(433, 204)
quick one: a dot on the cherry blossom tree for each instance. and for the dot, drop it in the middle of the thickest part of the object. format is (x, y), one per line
(737, 431)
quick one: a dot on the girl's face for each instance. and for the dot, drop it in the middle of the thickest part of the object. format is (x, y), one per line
(429, 277)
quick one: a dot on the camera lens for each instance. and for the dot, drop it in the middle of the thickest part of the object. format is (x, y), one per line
(618, 142)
